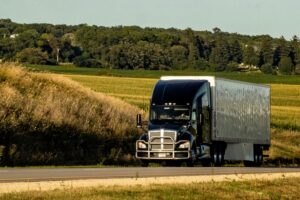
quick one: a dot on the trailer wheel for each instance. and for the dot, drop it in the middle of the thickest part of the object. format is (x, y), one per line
(217, 154)
(257, 157)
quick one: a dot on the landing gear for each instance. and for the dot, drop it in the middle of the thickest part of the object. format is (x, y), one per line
(257, 157)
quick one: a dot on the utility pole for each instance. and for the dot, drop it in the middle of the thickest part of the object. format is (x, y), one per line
(57, 55)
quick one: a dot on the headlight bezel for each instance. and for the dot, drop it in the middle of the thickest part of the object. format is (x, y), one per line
(184, 145)
(141, 145)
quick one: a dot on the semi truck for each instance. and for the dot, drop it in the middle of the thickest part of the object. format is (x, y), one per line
(206, 119)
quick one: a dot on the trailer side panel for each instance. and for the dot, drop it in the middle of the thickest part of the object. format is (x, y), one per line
(241, 112)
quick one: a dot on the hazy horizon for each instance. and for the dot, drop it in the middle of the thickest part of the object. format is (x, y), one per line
(248, 17)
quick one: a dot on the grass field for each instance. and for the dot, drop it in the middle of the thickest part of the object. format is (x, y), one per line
(254, 77)
(285, 107)
(285, 188)
(285, 96)
(285, 99)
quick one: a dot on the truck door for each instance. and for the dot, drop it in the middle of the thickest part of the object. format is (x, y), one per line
(203, 116)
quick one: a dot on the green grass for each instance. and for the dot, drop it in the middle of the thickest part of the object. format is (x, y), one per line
(285, 188)
(253, 77)
(285, 99)
(285, 107)
(136, 91)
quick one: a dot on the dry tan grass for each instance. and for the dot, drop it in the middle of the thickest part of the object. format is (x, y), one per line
(49, 119)
(238, 187)
(61, 101)
(285, 144)
(23, 186)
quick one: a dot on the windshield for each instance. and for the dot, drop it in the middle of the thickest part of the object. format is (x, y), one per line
(175, 113)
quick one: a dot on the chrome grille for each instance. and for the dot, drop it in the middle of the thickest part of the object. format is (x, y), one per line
(161, 139)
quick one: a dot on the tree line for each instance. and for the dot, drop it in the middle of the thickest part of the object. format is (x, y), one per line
(132, 47)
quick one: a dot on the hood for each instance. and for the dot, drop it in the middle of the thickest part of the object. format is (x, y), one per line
(175, 127)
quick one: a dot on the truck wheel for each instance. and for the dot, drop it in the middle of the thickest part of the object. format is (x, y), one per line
(191, 162)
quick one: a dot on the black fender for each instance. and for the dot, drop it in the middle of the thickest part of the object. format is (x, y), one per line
(187, 136)
(144, 137)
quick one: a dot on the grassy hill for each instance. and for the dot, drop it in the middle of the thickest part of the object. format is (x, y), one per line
(48, 119)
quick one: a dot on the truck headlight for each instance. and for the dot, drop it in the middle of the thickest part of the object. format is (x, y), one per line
(184, 145)
(142, 145)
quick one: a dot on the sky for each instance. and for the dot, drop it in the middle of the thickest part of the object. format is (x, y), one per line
(251, 17)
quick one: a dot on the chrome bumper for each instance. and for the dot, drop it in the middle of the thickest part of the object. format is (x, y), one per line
(162, 153)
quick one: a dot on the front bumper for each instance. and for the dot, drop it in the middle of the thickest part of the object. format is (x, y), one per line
(167, 150)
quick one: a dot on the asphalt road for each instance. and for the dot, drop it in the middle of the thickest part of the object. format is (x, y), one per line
(45, 174)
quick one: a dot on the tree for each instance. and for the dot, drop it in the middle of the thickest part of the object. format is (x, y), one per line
(26, 39)
(250, 57)
(216, 30)
(32, 56)
(266, 68)
(266, 52)
(295, 51)
(282, 50)
(236, 54)
(4, 32)
(85, 60)
(117, 57)
(192, 43)
(143, 55)
(220, 55)
(297, 69)
(285, 66)
(179, 56)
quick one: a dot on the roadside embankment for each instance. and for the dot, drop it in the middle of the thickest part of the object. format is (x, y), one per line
(73, 184)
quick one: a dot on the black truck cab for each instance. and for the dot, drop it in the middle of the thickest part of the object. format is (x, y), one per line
(179, 121)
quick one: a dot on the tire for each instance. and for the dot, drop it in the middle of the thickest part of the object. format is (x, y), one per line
(217, 154)
(258, 157)
(191, 162)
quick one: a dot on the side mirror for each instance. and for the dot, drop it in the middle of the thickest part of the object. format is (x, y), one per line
(139, 121)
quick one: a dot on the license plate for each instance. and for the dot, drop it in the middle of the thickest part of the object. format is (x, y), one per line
(162, 155)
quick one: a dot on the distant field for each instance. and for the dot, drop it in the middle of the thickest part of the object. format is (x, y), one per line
(285, 99)
(285, 107)
(285, 96)
(136, 91)
(253, 77)
(285, 188)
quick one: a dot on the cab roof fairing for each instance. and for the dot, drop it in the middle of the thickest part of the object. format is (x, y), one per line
(210, 79)
(176, 91)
